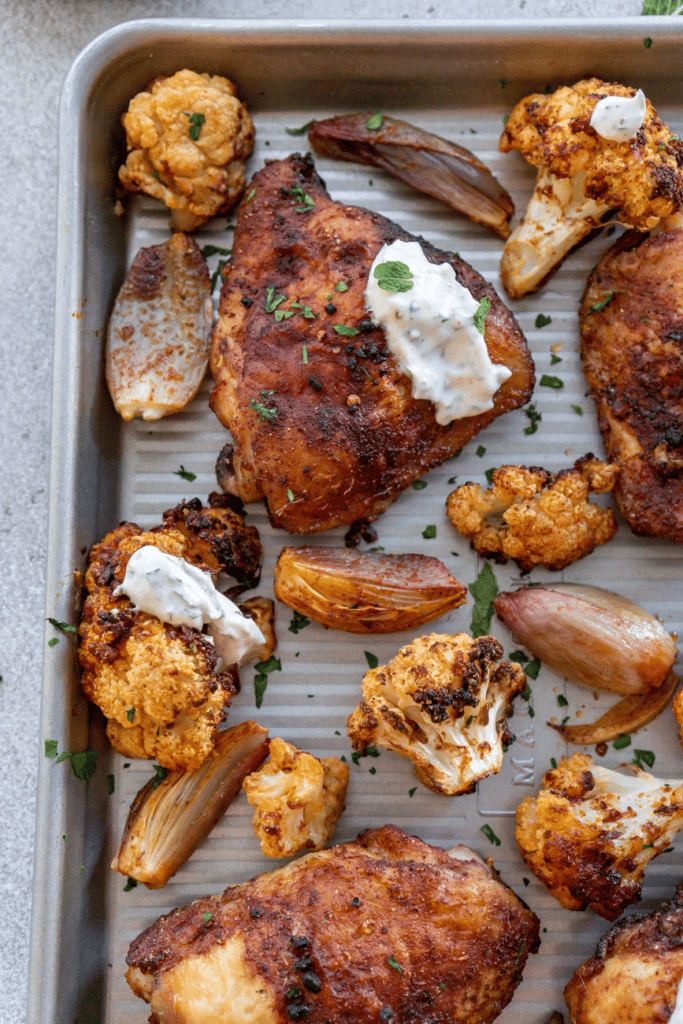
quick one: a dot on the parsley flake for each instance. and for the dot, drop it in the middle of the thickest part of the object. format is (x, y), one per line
(300, 131)
(83, 763)
(271, 302)
(63, 627)
(562, 701)
(598, 306)
(543, 321)
(480, 314)
(532, 414)
(250, 196)
(298, 622)
(412, 792)
(130, 714)
(372, 659)
(206, 917)
(303, 198)
(483, 590)
(394, 276)
(341, 287)
(374, 123)
(51, 748)
(345, 330)
(577, 409)
(186, 475)
(554, 359)
(160, 775)
(355, 757)
(518, 656)
(265, 412)
(641, 757)
(130, 884)
(304, 355)
(490, 835)
(553, 762)
(394, 965)
(261, 678)
(551, 382)
(622, 741)
(647, 42)
(419, 485)
(290, 495)
(488, 473)
(283, 314)
(481, 451)
(214, 250)
(196, 123)
(429, 532)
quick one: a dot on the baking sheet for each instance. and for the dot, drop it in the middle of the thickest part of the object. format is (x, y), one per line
(104, 471)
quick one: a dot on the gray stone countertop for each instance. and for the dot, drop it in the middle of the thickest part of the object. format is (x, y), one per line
(40, 39)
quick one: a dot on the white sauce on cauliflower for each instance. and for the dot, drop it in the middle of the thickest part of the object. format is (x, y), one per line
(177, 592)
(618, 118)
(431, 331)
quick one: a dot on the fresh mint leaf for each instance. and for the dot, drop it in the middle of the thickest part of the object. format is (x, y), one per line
(480, 314)
(53, 641)
(488, 473)
(562, 701)
(481, 451)
(130, 884)
(483, 590)
(394, 276)
(217, 273)
(519, 657)
(260, 684)
(641, 757)
(130, 714)
(84, 764)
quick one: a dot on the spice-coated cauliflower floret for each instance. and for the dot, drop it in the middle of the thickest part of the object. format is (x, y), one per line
(546, 519)
(590, 832)
(155, 682)
(188, 138)
(298, 799)
(582, 176)
(442, 702)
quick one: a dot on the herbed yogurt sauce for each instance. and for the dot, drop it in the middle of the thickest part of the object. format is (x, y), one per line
(431, 331)
(618, 118)
(177, 592)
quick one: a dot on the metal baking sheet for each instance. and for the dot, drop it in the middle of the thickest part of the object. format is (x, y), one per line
(456, 79)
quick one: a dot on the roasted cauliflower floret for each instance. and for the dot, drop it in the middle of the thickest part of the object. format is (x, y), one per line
(583, 176)
(442, 702)
(536, 517)
(298, 799)
(157, 683)
(188, 138)
(590, 832)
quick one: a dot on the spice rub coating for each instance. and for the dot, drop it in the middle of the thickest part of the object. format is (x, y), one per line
(632, 350)
(383, 928)
(324, 425)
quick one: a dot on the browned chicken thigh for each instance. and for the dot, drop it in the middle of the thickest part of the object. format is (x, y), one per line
(324, 425)
(384, 928)
(632, 349)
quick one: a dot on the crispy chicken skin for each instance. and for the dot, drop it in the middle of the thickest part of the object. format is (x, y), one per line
(381, 928)
(324, 426)
(635, 973)
(156, 683)
(632, 351)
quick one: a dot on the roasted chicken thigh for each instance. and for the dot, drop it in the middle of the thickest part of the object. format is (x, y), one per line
(384, 928)
(324, 425)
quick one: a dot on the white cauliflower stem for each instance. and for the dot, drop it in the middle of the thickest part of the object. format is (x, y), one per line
(442, 702)
(298, 799)
(582, 176)
(591, 832)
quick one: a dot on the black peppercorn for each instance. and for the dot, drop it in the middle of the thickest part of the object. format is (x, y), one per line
(254, 913)
(330, 308)
(386, 1013)
(315, 384)
(312, 982)
(246, 301)
(299, 941)
(304, 964)
(355, 902)
(365, 326)
(351, 363)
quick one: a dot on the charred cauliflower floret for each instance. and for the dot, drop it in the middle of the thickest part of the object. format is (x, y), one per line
(298, 799)
(536, 517)
(583, 176)
(157, 683)
(188, 138)
(591, 832)
(442, 702)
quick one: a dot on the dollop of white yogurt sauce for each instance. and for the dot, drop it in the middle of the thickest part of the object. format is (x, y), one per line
(179, 593)
(677, 1015)
(430, 329)
(618, 118)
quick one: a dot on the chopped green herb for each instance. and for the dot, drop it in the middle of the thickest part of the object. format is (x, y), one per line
(543, 321)
(355, 757)
(196, 122)
(480, 314)
(126, 764)
(641, 757)
(159, 776)
(250, 196)
(554, 359)
(130, 714)
(577, 409)
(298, 622)
(261, 678)
(206, 917)
(553, 762)
(490, 835)
(551, 382)
(412, 792)
(293, 992)
(419, 485)
(186, 475)
(532, 413)
(378, 547)
(64, 627)
(304, 355)
(130, 884)
(489, 474)
(531, 712)
(51, 748)
(345, 330)
(621, 742)
(372, 659)
(111, 784)
(272, 665)
(562, 701)
(598, 306)
(565, 720)
(526, 881)
(83, 763)
(290, 495)
(283, 314)
(394, 276)
(429, 532)
(502, 82)
(520, 951)
(394, 965)
(483, 590)
(300, 131)
(271, 302)
(336, 732)
(303, 198)
(341, 287)
(519, 656)
(481, 451)
(532, 668)
(647, 42)
(217, 273)
(214, 250)
(374, 123)
(308, 313)
(264, 411)
(526, 693)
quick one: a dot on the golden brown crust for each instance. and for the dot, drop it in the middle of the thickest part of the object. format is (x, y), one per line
(632, 351)
(346, 436)
(385, 922)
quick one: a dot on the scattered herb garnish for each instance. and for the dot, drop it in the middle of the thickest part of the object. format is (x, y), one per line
(551, 382)
(283, 314)
(298, 622)
(562, 701)
(186, 475)
(160, 775)
(265, 412)
(553, 762)
(372, 659)
(520, 951)
(429, 532)
(488, 473)
(483, 590)
(250, 196)
(345, 330)
(394, 965)
(355, 757)
(83, 763)
(543, 321)
(481, 451)
(341, 286)
(271, 302)
(214, 250)
(621, 742)
(532, 668)
(554, 359)
(394, 276)
(130, 714)
(206, 917)
(290, 495)
(490, 835)
(261, 678)
(304, 355)
(647, 42)
(641, 757)
(526, 693)
(480, 314)
(217, 273)
(303, 198)
(196, 123)
(300, 131)
(598, 306)
(419, 485)
(63, 627)
(374, 123)
(130, 884)
(412, 792)
(532, 413)
(519, 656)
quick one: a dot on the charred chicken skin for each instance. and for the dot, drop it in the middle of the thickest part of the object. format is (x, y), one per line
(632, 350)
(324, 425)
(381, 928)
(636, 972)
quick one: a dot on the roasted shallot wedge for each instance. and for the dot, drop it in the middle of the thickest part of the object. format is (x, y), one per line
(169, 818)
(624, 717)
(590, 635)
(159, 332)
(365, 593)
(427, 162)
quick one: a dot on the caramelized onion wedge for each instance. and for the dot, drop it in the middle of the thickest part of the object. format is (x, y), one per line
(625, 716)
(363, 593)
(167, 822)
(427, 162)
(589, 635)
